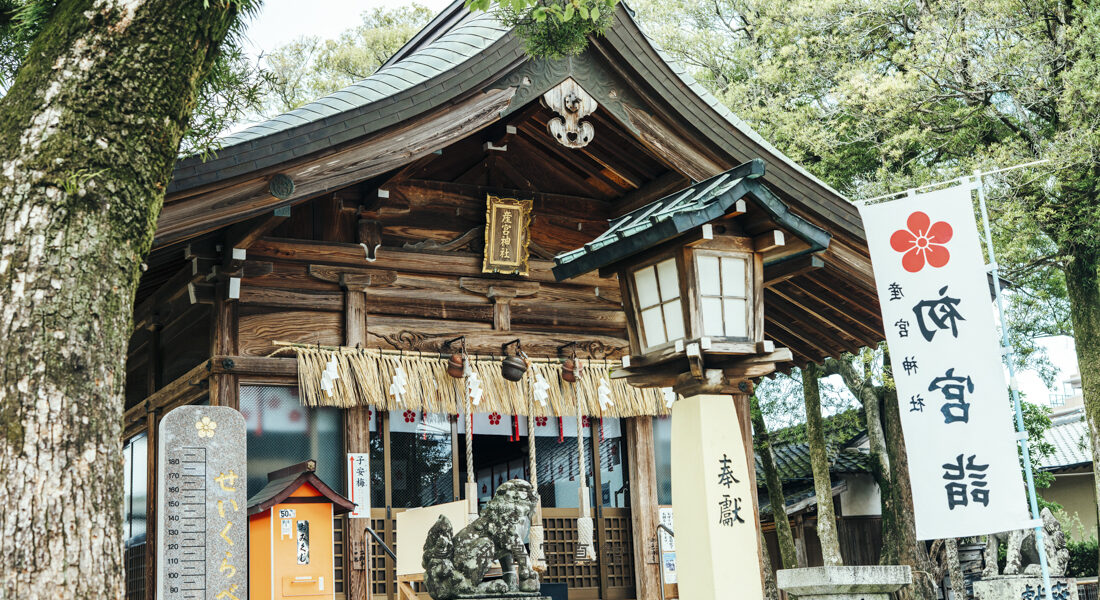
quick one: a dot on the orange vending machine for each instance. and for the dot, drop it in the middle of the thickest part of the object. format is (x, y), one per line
(290, 535)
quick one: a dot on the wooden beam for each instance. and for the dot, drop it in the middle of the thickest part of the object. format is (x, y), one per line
(196, 211)
(827, 310)
(357, 439)
(769, 241)
(793, 267)
(244, 234)
(185, 389)
(663, 185)
(224, 389)
(397, 259)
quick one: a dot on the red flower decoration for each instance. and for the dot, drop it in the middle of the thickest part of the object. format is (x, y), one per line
(410, 416)
(922, 242)
(494, 419)
(584, 421)
(540, 421)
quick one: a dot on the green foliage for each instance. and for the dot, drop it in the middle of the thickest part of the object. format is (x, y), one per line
(552, 28)
(1036, 423)
(876, 96)
(1082, 558)
(310, 67)
(233, 89)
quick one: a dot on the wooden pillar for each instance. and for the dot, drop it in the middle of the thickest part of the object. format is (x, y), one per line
(151, 386)
(644, 510)
(357, 423)
(224, 389)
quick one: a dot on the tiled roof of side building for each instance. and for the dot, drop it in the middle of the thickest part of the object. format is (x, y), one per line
(1071, 446)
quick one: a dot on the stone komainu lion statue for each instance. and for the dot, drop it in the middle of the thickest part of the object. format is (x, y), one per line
(455, 564)
(1022, 557)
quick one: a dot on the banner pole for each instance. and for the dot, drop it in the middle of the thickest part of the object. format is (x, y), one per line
(1021, 432)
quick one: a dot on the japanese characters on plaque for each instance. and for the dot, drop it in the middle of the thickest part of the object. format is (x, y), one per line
(934, 294)
(201, 500)
(507, 233)
(359, 484)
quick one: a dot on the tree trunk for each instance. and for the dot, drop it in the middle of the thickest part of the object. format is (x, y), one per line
(910, 550)
(788, 557)
(1083, 289)
(819, 459)
(954, 569)
(771, 592)
(89, 131)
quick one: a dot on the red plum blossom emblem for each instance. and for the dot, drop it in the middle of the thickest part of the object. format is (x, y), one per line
(922, 242)
(494, 418)
(410, 416)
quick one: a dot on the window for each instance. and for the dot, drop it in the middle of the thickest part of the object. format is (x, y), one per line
(135, 488)
(422, 469)
(281, 432)
(658, 294)
(723, 294)
(662, 451)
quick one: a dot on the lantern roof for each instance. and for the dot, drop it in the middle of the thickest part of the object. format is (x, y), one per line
(284, 482)
(683, 211)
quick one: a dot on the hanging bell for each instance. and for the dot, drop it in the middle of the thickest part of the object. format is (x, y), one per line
(513, 368)
(456, 366)
(569, 370)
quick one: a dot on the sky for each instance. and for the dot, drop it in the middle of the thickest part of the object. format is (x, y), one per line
(282, 21)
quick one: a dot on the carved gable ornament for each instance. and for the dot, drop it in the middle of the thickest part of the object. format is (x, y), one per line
(507, 233)
(570, 101)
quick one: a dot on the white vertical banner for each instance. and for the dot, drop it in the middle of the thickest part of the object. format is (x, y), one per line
(934, 293)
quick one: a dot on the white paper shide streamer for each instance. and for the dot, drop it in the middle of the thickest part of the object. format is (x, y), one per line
(603, 394)
(329, 376)
(399, 383)
(541, 389)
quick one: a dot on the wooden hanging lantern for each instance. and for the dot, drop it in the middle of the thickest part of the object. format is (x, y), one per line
(691, 269)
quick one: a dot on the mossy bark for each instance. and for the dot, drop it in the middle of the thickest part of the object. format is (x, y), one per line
(1083, 289)
(788, 556)
(819, 460)
(89, 131)
(908, 550)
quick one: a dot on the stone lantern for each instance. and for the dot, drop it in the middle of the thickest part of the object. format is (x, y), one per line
(691, 270)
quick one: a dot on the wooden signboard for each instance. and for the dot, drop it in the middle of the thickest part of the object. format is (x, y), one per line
(507, 232)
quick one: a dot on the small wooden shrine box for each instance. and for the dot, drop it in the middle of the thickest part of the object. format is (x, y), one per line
(290, 535)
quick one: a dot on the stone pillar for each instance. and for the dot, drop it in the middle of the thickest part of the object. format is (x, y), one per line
(844, 583)
(718, 546)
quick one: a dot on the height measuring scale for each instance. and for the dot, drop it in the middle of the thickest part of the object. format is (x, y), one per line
(201, 505)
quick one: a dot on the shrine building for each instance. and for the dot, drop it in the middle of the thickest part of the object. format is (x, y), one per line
(414, 217)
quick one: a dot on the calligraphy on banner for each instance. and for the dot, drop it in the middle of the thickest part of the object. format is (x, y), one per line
(507, 225)
(938, 315)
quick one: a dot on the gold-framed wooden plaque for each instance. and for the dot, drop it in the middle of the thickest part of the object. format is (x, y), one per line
(507, 233)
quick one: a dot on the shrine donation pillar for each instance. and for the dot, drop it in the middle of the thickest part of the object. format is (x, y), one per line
(714, 485)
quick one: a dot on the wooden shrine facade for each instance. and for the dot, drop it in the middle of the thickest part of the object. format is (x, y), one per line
(359, 221)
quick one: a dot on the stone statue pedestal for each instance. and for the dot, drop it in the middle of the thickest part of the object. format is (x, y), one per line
(844, 583)
(1024, 587)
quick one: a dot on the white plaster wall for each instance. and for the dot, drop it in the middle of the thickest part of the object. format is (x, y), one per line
(862, 498)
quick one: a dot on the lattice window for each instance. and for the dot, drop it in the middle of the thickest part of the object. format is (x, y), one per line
(378, 555)
(338, 553)
(561, 544)
(134, 560)
(617, 551)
